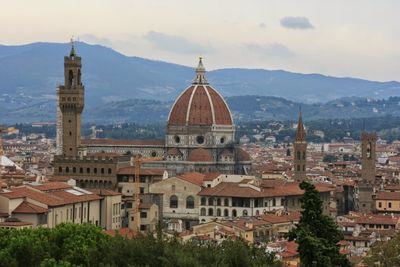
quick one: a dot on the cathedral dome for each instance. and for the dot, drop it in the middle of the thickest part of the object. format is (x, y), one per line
(200, 155)
(200, 105)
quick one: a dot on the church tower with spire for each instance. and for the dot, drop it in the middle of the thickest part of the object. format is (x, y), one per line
(300, 152)
(71, 103)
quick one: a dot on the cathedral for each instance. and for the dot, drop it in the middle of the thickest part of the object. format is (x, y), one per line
(200, 136)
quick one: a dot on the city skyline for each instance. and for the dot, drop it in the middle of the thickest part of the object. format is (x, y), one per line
(310, 37)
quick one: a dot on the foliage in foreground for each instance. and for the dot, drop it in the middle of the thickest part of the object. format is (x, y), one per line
(316, 233)
(384, 254)
(70, 245)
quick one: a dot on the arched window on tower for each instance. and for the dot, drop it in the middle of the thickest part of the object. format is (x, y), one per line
(298, 155)
(70, 78)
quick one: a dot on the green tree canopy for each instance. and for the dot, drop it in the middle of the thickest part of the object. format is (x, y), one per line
(316, 233)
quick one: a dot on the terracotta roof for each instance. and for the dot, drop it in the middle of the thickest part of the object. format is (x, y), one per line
(124, 232)
(377, 219)
(143, 171)
(229, 189)
(115, 142)
(200, 155)
(103, 192)
(11, 224)
(26, 207)
(49, 186)
(192, 177)
(200, 105)
(242, 155)
(146, 205)
(272, 218)
(388, 196)
(211, 176)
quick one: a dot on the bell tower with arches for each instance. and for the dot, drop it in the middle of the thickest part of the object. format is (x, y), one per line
(71, 103)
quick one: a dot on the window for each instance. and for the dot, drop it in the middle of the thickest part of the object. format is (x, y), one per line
(304, 155)
(245, 213)
(380, 204)
(109, 170)
(226, 202)
(210, 201)
(190, 202)
(59, 169)
(203, 201)
(74, 169)
(88, 170)
(95, 170)
(218, 212)
(173, 202)
(143, 214)
(226, 212)
(203, 212)
(80, 170)
(218, 202)
(67, 169)
(304, 168)
(298, 168)
(390, 204)
(102, 170)
(210, 212)
(298, 155)
(200, 139)
(234, 213)
(143, 227)
(273, 202)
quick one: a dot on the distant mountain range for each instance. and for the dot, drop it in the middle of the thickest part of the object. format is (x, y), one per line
(122, 88)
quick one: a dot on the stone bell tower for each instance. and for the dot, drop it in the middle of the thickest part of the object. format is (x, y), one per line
(368, 171)
(300, 152)
(71, 103)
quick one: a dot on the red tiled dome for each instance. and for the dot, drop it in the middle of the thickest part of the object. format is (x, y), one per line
(200, 155)
(242, 155)
(200, 104)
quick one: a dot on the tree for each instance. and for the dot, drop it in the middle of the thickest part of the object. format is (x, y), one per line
(316, 233)
(384, 254)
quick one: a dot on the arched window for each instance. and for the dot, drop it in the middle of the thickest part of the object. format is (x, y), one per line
(190, 202)
(244, 212)
(70, 78)
(102, 170)
(219, 212)
(95, 170)
(298, 155)
(210, 212)
(210, 201)
(74, 169)
(203, 201)
(218, 202)
(59, 169)
(173, 202)
(203, 212)
(226, 202)
(109, 170)
(257, 212)
(226, 212)
(67, 169)
(88, 170)
(80, 170)
(234, 213)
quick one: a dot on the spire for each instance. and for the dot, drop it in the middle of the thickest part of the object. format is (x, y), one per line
(200, 73)
(300, 133)
(72, 53)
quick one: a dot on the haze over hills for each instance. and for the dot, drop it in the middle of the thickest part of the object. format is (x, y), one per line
(30, 73)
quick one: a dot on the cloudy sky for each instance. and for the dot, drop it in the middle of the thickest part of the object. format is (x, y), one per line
(358, 38)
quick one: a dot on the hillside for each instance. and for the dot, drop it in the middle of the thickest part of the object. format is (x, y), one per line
(30, 73)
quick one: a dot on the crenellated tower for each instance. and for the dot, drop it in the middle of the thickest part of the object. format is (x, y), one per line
(71, 103)
(300, 152)
(368, 172)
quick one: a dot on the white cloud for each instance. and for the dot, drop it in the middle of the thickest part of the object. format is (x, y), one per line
(297, 23)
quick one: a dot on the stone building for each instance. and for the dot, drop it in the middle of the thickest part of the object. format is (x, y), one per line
(365, 202)
(200, 136)
(300, 152)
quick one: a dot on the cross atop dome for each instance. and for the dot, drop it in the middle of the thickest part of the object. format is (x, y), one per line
(200, 73)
